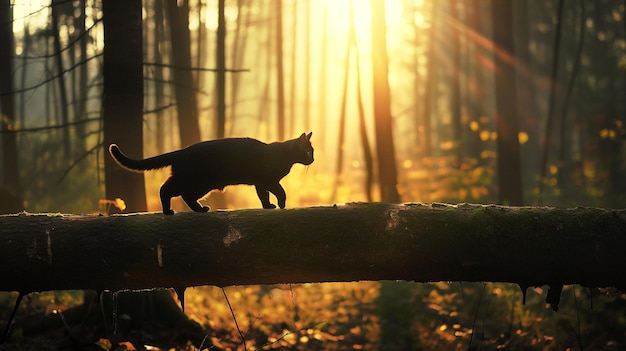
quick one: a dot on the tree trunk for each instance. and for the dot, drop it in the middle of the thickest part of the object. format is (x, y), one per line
(455, 86)
(27, 42)
(382, 106)
(429, 83)
(342, 114)
(323, 87)
(307, 66)
(294, 71)
(367, 241)
(123, 98)
(508, 159)
(220, 75)
(159, 95)
(476, 104)
(527, 107)
(186, 104)
(368, 159)
(61, 77)
(80, 113)
(280, 108)
(238, 57)
(10, 191)
(547, 140)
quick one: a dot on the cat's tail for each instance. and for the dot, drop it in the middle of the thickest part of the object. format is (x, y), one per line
(147, 164)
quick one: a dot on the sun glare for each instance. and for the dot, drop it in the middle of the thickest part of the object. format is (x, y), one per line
(339, 16)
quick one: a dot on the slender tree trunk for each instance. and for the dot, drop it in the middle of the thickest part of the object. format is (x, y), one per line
(342, 114)
(382, 106)
(418, 111)
(218, 199)
(48, 87)
(429, 82)
(159, 41)
(565, 157)
(391, 332)
(508, 159)
(323, 75)
(186, 104)
(61, 77)
(220, 75)
(265, 108)
(123, 98)
(365, 144)
(280, 90)
(307, 66)
(547, 141)
(238, 56)
(81, 110)
(200, 47)
(475, 84)
(455, 84)
(10, 190)
(294, 71)
(25, 52)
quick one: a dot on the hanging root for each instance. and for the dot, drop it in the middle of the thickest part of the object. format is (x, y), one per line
(7, 327)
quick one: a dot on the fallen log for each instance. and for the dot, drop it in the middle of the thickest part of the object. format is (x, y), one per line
(530, 246)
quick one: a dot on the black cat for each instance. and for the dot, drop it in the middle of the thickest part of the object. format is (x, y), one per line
(214, 164)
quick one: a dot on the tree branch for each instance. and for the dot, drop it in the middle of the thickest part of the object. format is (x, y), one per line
(185, 68)
(51, 78)
(53, 127)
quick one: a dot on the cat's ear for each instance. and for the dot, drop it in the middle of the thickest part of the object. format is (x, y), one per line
(308, 136)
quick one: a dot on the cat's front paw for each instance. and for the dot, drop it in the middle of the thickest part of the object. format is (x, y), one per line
(168, 212)
(205, 209)
(269, 206)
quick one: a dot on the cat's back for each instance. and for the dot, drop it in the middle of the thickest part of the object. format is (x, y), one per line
(223, 154)
(228, 146)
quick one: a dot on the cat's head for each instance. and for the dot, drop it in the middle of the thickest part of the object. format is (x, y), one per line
(303, 150)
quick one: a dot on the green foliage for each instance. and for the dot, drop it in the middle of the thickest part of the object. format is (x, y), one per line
(53, 184)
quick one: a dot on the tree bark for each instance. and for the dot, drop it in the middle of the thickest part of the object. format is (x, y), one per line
(220, 75)
(455, 87)
(10, 188)
(123, 98)
(508, 161)
(547, 140)
(61, 77)
(280, 80)
(387, 173)
(186, 104)
(426, 132)
(367, 241)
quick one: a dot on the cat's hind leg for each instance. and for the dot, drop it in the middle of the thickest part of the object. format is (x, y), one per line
(166, 193)
(264, 196)
(192, 202)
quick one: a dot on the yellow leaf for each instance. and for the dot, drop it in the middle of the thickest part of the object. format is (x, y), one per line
(119, 203)
(522, 137)
(554, 169)
(474, 126)
(104, 344)
(484, 135)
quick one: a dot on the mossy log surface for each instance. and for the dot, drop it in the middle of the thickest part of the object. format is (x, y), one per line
(361, 241)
